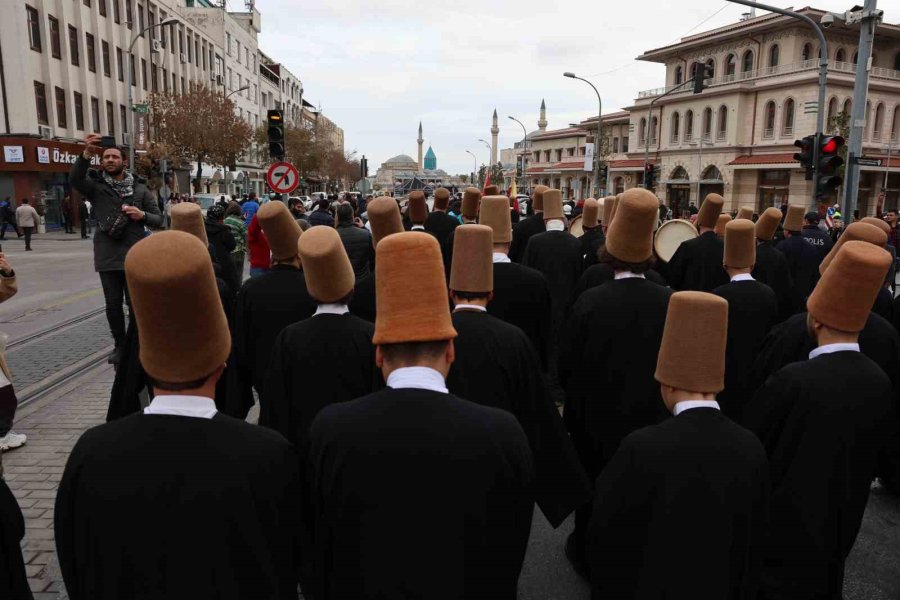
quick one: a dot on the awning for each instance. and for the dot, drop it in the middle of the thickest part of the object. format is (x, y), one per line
(207, 172)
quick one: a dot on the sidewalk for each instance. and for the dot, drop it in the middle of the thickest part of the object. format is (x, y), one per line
(57, 235)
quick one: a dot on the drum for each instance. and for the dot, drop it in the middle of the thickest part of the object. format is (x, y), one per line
(575, 227)
(671, 235)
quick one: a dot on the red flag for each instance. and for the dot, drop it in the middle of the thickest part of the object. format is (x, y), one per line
(487, 180)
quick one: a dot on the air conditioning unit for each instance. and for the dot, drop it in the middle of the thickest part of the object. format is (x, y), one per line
(220, 80)
(184, 59)
(156, 46)
(45, 132)
(126, 139)
(213, 77)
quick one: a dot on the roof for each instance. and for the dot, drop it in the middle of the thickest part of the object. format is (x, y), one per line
(400, 158)
(430, 153)
(622, 115)
(558, 133)
(572, 163)
(630, 162)
(784, 158)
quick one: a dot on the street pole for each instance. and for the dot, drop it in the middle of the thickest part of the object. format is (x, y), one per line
(650, 124)
(524, 153)
(868, 19)
(596, 165)
(887, 168)
(475, 167)
(823, 78)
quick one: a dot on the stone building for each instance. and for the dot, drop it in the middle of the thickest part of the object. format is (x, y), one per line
(402, 169)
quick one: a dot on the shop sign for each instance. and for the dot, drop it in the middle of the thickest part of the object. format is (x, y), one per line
(43, 155)
(63, 157)
(13, 154)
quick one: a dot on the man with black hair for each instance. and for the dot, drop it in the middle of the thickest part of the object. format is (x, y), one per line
(322, 216)
(357, 240)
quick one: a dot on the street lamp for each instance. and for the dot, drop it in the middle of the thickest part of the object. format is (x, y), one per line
(134, 38)
(474, 164)
(240, 89)
(571, 75)
(524, 151)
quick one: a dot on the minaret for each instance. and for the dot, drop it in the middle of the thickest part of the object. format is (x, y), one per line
(495, 130)
(542, 122)
(421, 140)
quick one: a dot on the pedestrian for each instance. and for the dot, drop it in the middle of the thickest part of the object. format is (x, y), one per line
(124, 208)
(822, 433)
(890, 217)
(13, 577)
(772, 266)
(84, 214)
(593, 237)
(7, 217)
(68, 214)
(468, 214)
(804, 247)
(697, 483)
(417, 211)
(384, 220)
(357, 241)
(439, 223)
(9, 440)
(223, 244)
(449, 519)
(235, 223)
(321, 215)
(496, 365)
(697, 263)
(258, 247)
(28, 219)
(214, 507)
(529, 226)
(298, 211)
(249, 208)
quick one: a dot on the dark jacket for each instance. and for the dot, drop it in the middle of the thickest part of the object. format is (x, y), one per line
(222, 241)
(109, 254)
(358, 244)
(321, 217)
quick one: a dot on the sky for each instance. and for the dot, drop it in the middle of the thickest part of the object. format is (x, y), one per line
(378, 68)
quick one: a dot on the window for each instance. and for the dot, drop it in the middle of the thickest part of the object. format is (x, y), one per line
(679, 75)
(676, 125)
(689, 126)
(722, 129)
(559, 155)
(141, 19)
(570, 152)
(101, 5)
(897, 62)
(247, 57)
(110, 118)
(707, 124)
(165, 80)
(55, 49)
(624, 144)
(123, 117)
(747, 63)
(79, 112)
(95, 115)
(104, 52)
(154, 87)
(190, 48)
(867, 132)
(181, 41)
(642, 132)
(848, 107)
(183, 87)
(806, 53)
(34, 28)
(144, 74)
(654, 123)
(40, 101)
(228, 44)
(879, 122)
(773, 57)
(537, 154)
(116, 16)
(710, 69)
(769, 116)
(238, 44)
(129, 14)
(203, 55)
(175, 84)
(73, 46)
(87, 3)
(197, 52)
(787, 118)
(855, 57)
(832, 110)
(120, 64)
(546, 156)
(61, 120)
(615, 145)
(91, 53)
(840, 55)
(895, 125)
(132, 70)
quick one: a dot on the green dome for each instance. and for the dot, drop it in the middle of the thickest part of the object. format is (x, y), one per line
(430, 160)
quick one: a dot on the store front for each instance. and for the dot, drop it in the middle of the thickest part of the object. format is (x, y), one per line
(773, 189)
(678, 193)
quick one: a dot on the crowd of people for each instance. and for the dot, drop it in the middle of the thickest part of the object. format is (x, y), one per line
(427, 375)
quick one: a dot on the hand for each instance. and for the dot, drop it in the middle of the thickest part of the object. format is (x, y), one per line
(133, 212)
(92, 145)
(358, 222)
(5, 268)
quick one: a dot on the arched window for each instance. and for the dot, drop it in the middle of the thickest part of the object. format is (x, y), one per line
(879, 122)
(897, 62)
(867, 132)
(694, 67)
(832, 110)
(769, 123)
(840, 55)
(679, 75)
(856, 57)
(747, 64)
(679, 173)
(895, 123)
(689, 126)
(730, 66)
(787, 118)
(642, 132)
(848, 107)
(676, 123)
(654, 127)
(806, 53)
(773, 56)
(874, 60)
(712, 173)
(710, 69)
(723, 123)
(707, 124)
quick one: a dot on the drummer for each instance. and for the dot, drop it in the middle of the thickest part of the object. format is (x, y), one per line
(697, 264)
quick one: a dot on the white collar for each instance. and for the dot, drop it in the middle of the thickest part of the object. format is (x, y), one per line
(331, 308)
(417, 228)
(182, 406)
(742, 277)
(689, 404)
(469, 307)
(831, 348)
(629, 275)
(423, 378)
(556, 225)
(499, 257)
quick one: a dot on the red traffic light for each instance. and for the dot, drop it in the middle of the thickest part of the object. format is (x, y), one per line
(831, 145)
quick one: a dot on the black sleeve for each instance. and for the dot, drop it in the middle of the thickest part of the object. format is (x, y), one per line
(675, 268)
(766, 413)
(240, 389)
(65, 517)
(275, 412)
(78, 178)
(152, 218)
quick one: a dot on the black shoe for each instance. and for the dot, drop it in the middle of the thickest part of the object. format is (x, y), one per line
(28, 249)
(575, 557)
(115, 357)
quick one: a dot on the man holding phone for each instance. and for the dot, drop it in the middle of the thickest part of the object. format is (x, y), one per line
(123, 206)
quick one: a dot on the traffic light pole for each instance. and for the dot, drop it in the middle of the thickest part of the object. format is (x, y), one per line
(650, 124)
(823, 78)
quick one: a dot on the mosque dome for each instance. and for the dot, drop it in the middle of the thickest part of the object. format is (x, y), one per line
(400, 159)
(430, 160)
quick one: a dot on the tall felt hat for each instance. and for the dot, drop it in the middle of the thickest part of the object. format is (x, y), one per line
(740, 244)
(441, 198)
(692, 353)
(879, 223)
(171, 282)
(630, 237)
(471, 198)
(384, 218)
(846, 292)
(722, 221)
(417, 208)
(855, 232)
(609, 209)
(473, 265)
(553, 208)
(326, 267)
(188, 217)
(767, 224)
(537, 197)
(710, 211)
(590, 214)
(282, 231)
(410, 290)
(491, 190)
(793, 221)
(494, 213)
(745, 212)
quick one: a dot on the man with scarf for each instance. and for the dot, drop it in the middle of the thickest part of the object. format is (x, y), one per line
(123, 206)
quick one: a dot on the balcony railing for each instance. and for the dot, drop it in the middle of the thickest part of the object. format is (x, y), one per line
(768, 133)
(788, 131)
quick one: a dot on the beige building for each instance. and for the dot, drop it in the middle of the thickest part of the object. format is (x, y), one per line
(736, 137)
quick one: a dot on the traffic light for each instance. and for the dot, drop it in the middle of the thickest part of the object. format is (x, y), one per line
(363, 167)
(829, 162)
(649, 176)
(604, 171)
(701, 74)
(275, 133)
(805, 156)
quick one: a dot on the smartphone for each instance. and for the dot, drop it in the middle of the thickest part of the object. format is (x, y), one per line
(108, 141)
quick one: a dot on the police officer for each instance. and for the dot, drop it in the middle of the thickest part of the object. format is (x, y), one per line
(804, 247)
(814, 235)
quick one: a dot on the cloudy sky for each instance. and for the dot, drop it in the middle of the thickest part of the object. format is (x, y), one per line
(378, 68)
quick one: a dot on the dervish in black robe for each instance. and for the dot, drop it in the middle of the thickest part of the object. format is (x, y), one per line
(680, 512)
(321, 360)
(418, 494)
(264, 306)
(697, 264)
(772, 269)
(440, 225)
(752, 311)
(821, 422)
(557, 255)
(522, 232)
(496, 366)
(162, 506)
(362, 304)
(884, 304)
(522, 298)
(13, 580)
(601, 273)
(590, 243)
(803, 261)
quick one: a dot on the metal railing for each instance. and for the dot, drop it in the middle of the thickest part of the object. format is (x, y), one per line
(768, 133)
(788, 131)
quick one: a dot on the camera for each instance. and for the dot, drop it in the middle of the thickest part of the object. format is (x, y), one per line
(827, 20)
(108, 141)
